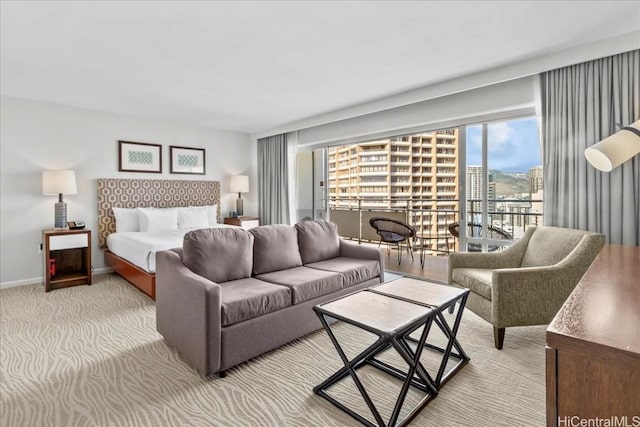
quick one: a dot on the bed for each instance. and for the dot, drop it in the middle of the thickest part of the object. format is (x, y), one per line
(133, 254)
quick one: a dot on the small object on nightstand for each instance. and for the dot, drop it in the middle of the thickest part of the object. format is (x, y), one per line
(245, 222)
(75, 225)
(67, 258)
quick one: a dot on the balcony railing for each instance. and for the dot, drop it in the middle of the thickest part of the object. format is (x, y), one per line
(431, 217)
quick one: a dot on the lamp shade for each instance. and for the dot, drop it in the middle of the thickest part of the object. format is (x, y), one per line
(56, 182)
(611, 152)
(239, 184)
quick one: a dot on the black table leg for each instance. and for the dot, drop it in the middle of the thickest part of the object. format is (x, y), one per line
(423, 382)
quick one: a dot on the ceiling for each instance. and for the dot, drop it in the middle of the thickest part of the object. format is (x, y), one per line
(250, 66)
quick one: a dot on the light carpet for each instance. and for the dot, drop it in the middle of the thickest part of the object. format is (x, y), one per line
(91, 356)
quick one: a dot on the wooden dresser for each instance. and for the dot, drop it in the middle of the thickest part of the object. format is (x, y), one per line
(593, 344)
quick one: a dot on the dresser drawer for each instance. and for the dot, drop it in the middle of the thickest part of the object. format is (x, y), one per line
(68, 241)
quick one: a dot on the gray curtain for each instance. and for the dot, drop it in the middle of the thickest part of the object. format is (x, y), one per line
(273, 180)
(581, 105)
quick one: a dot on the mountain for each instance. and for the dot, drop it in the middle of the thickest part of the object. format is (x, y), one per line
(510, 184)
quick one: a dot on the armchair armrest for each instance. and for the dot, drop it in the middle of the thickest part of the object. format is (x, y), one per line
(352, 250)
(531, 295)
(188, 312)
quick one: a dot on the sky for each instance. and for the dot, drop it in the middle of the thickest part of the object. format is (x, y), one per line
(513, 145)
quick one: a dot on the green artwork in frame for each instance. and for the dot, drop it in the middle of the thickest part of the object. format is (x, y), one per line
(186, 160)
(139, 157)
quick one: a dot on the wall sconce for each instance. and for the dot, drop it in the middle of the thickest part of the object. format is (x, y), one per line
(239, 184)
(611, 152)
(59, 182)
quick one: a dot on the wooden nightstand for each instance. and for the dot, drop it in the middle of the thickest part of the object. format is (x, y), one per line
(245, 222)
(67, 258)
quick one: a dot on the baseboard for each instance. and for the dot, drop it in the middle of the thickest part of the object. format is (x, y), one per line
(23, 282)
(40, 280)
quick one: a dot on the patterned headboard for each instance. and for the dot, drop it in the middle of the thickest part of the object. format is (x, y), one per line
(145, 193)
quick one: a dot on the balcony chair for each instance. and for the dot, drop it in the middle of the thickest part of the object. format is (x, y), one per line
(526, 283)
(393, 232)
(475, 230)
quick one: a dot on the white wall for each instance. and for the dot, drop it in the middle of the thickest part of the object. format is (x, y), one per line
(36, 136)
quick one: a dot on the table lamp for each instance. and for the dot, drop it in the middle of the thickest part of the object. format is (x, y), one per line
(239, 184)
(59, 182)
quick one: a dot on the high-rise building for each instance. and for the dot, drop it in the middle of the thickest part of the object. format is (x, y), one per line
(416, 172)
(474, 182)
(474, 191)
(535, 179)
(537, 193)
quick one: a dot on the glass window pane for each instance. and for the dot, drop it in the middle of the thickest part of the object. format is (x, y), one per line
(413, 176)
(474, 176)
(514, 176)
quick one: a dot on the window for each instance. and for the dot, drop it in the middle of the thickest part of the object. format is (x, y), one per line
(503, 177)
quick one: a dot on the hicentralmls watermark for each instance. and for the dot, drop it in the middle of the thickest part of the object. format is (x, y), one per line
(614, 421)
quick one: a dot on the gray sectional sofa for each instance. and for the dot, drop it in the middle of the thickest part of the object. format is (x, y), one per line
(229, 295)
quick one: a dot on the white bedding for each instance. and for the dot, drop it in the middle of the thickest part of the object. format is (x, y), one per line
(140, 248)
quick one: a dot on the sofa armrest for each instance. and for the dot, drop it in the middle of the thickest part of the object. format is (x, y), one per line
(188, 312)
(352, 250)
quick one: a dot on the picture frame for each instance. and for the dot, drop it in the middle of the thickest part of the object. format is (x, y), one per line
(187, 160)
(139, 157)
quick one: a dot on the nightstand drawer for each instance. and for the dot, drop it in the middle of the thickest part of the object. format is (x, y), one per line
(68, 241)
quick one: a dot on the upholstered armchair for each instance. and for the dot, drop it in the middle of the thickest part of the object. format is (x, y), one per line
(526, 283)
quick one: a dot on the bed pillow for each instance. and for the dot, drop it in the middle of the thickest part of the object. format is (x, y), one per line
(193, 217)
(213, 214)
(158, 219)
(126, 219)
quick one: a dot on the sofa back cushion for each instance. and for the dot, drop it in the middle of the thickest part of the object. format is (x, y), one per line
(219, 254)
(318, 240)
(550, 245)
(275, 247)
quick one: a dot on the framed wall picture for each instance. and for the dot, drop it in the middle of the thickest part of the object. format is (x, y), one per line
(186, 160)
(139, 157)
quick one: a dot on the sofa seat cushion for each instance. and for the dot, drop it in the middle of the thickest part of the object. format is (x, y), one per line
(353, 270)
(305, 283)
(245, 299)
(478, 280)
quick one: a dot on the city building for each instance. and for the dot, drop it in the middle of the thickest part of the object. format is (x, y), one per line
(417, 173)
(537, 194)
(474, 192)
(535, 179)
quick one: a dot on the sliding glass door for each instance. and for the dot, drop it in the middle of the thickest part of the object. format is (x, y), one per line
(503, 183)
(311, 185)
